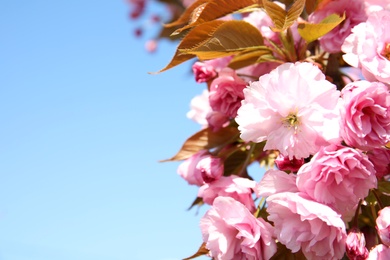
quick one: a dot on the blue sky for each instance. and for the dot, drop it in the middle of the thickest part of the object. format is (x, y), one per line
(83, 126)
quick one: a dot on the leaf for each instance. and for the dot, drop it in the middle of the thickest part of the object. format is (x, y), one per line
(247, 58)
(384, 187)
(192, 39)
(201, 251)
(281, 18)
(197, 202)
(311, 32)
(205, 139)
(210, 40)
(311, 6)
(216, 9)
(190, 15)
(225, 38)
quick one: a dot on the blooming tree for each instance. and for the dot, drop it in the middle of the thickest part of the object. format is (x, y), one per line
(301, 89)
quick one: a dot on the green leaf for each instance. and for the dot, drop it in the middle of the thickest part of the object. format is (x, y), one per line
(205, 139)
(225, 38)
(201, 251)
(311, 32)
(215, 9)
(281, 18)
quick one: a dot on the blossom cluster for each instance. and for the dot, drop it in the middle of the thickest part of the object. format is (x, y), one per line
(315, 117)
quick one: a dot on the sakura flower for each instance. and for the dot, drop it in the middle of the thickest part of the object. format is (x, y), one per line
(365, 114)
(379, 252)
(338, 177)
(383, 225)
(368, 47)
(380, 158)
(286, 164)
(275, 181)
(200, 107)
(217, 120)
(232, 186)
(377, 5)
(188, 170)
(203, 72)
(301, 223)
(294, 108)
(356, 245)
(263, 22)
(230, 231)
(226, 92)
(211, 168)
(355, 13)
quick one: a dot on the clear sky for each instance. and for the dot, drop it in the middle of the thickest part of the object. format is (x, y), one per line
(82, 128)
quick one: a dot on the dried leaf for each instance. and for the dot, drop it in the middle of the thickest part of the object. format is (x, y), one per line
(205, 139)
(225, 38)
(311, 32)
(281, 18)
(216, 9)
(201, 251)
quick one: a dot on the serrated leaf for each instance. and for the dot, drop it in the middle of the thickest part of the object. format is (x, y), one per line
(311, 32)
(201, 251)
(191, 14)
(203, 140)
(192, 39)
(281, 18)
(225, 38)
(216, 9)
(247, 58)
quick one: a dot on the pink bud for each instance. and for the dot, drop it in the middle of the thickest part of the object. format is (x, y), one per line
(211, 168)
(285, 164)
(356, 245)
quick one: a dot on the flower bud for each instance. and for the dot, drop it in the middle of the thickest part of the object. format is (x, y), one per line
(356, 245)
(285, 164)
(211, 168)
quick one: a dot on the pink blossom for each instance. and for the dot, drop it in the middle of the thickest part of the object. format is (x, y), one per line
(286, 164)
(301, 223)
(294, 108)
(339, 177)
(380, 158)
(151, 46)
(275, 181)
(230, 231)
(355, 13)
(226, 92)
(211, 168)
(368, 47)
(188, 171)
(376, 5)
(203, 72)
(263, 22)
(232, 186)
(356, 245)
(200, 107)
(383, 225)
(379, 252)
(365, 114)
(217, 120)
